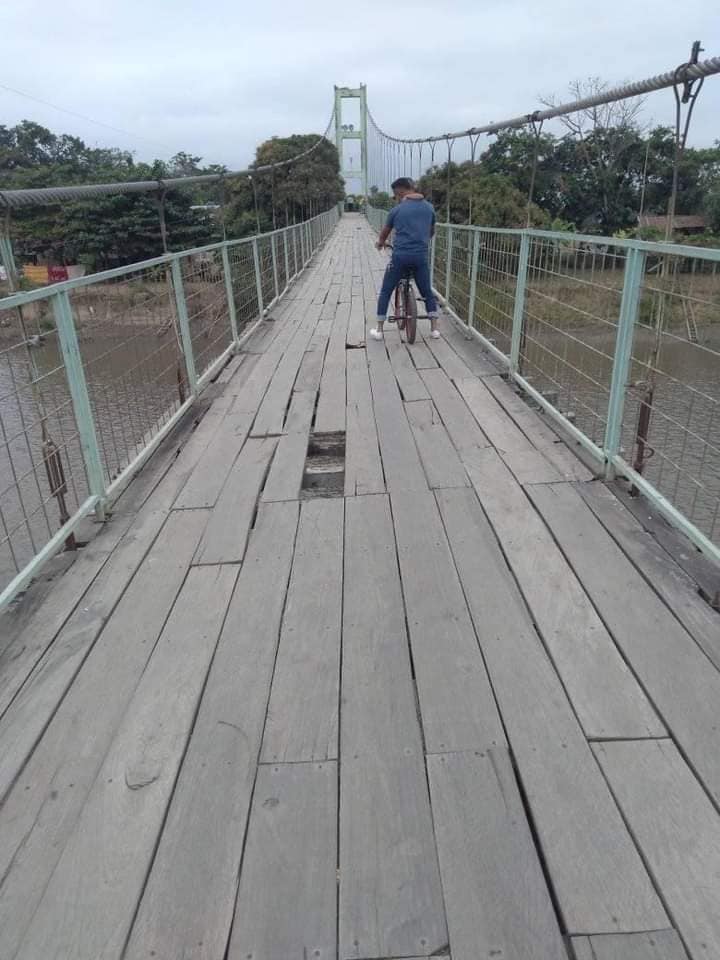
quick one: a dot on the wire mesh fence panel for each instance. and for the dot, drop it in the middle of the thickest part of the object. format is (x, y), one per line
(133, 360)
(242, 271)
(42, 473)
(266, 269)
(495, 285)
(439, 261)
(281, 255)
(572, 305)
(671, 423)
(207, 307)
(459, 278)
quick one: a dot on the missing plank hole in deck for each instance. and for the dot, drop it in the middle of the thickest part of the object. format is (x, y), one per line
(324, 474)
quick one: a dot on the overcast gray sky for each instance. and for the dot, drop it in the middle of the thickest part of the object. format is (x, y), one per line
(216, 78)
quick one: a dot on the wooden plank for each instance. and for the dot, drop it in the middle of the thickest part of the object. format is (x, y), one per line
(34, 705)
(226, 535)
(422, 358)
(302, 721)
(291, 859)
(356, 324)
(330, 416)
(391, 901)
(191, 890)
(575, 817)
(440, 460)
(658, 945)
(607, 697)
(286, 473)
(208, 478)
(401, 461)
(540, 434)
(271, 413)
(677, 829)
(497, 901)
(463, 428)
(363, 468)
(526, 463)
(455, 368)
(667, 578)
(469, 350)
(89, 903)
(411, 386)
(456, 703)
(682, 682)
(40, 811)
(308, 378)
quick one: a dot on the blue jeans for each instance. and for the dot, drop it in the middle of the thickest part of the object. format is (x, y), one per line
(397, 268)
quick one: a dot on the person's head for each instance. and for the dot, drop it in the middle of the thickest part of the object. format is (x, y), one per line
(402, 187)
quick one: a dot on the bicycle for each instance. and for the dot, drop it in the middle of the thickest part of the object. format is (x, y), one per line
(405, 299)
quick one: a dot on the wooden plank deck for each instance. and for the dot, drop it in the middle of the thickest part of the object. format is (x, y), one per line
(456, 704)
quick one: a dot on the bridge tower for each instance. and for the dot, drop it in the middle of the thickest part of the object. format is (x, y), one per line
(348, 132)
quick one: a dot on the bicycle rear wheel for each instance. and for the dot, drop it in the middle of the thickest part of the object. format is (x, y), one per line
(410, 312)
(399, 307)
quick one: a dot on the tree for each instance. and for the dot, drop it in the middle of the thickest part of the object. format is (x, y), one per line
(496, 201)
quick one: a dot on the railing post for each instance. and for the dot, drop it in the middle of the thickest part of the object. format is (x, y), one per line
(274, 265)
(519, 306)
(308, 243)
(287, 258)
(473, 277)
(302, 244)
(258, 277)
(448, 262)
(296, 268)
(184, 322)
(432, 260)
(229, 292)
(629, 305)
(77, 385)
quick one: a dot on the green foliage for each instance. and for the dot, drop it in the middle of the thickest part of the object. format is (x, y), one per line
(478, 197)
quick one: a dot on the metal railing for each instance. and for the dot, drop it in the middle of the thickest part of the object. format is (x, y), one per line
(618, 340)
(94, 372)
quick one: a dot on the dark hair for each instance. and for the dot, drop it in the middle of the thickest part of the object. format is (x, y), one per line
(402, 183)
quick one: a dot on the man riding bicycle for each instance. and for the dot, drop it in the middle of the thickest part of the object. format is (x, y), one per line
(413, 221)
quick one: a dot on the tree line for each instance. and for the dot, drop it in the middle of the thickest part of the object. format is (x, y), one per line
(103, 232)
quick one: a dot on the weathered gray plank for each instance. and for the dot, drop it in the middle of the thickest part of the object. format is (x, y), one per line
(469, 350)
(541, 435)
(208, 478)
(605, 694)
(302, 720)
(421, 356)
(40, 811)
(34, 705)
(464, 431)
(308, 378)
(401, 461)
(356, 323)
(226, 534)
(285, 478)
(271, 413)
(330, 416)
(439, 457)
(497, 900)
(456, 703)
(668, 579)
(191, 889)
(678, 830)
(89, 903)
(455, 368)
(363, 468)
(527, 463)
(684, 685)
(575, 816)
(411, 386)
(287, 902)
(658, 945)
(390, 895)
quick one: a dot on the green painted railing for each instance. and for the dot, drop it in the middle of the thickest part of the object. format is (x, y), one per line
(617, 340)
(94, 373)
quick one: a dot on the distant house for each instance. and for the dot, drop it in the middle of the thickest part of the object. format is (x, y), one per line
(682, 224)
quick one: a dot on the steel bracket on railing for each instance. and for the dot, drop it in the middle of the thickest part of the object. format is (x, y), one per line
(77, 386)
(519, 305)
(629, 306)
(184, 323)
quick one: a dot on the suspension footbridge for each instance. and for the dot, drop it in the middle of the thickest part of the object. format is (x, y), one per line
(371, 654)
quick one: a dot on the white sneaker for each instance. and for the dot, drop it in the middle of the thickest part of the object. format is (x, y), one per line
(435, 334)
(376, 334)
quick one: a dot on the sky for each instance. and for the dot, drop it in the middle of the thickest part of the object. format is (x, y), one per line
(216, 79)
